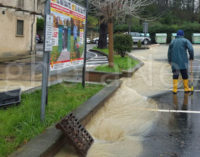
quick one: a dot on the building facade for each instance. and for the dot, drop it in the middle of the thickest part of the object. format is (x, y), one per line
(17, 27)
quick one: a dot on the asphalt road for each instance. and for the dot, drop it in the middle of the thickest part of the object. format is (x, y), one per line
(176, 133)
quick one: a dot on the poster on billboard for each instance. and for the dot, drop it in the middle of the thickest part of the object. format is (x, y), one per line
(68, 34)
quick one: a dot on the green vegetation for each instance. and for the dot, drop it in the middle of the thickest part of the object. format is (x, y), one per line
(92, 22)
(139, 44)
(123, 44)
(157, 27)
(19, 124)
(189, 28)
(102, 50)
(40, 24)
(120, 63)
(168, 18)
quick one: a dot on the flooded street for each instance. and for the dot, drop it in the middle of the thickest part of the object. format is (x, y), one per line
(26, 73)
(131, 124)
(23, 73)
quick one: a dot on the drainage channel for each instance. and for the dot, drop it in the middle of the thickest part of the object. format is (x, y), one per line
(118, 126)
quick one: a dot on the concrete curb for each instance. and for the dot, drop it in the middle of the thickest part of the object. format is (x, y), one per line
(48, 143)
(141, 63)
(93, 103)
(159, 94)
(142, 48)
(96, 76)
(102, 53)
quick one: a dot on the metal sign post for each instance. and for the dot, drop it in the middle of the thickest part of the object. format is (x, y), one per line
(47, 49)
(145, 28)
(85, 50)
(129, 24)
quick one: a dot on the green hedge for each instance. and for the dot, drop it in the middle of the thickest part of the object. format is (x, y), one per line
(188, 28)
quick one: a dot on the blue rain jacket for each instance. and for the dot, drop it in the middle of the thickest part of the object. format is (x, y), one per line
(177, 53)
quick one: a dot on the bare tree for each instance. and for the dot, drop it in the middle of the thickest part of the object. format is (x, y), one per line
(112, 10)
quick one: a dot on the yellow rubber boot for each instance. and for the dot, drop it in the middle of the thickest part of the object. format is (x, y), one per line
(186, 86)
(175, 86)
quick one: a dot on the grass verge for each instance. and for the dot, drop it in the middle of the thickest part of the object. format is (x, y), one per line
(120, 63)
(19, 124)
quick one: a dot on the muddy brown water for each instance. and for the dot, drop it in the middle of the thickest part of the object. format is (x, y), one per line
(119, 126)
(122, 127)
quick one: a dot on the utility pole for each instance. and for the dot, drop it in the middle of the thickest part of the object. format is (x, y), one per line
(85, 49)
(45, 70)
(129, 24)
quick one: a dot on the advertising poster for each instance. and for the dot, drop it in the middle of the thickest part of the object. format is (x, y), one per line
(68, 34)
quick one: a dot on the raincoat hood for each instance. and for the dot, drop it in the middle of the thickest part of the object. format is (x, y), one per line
(180, 33)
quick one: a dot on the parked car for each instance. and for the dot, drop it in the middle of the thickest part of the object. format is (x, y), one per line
(96, 40)
(88, 41)
(38, 39)
(140, 37)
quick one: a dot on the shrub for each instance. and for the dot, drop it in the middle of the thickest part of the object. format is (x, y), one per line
(139, 44)
(123, 43)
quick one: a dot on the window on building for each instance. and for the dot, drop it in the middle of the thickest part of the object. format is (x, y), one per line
(21, 3)
(20, 27)
(38, 4)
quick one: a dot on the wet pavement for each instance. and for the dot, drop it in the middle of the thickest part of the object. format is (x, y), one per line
(26, 73)
(22, 73)
(176, 133)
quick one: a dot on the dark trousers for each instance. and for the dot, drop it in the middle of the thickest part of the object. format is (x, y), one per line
(183, 72)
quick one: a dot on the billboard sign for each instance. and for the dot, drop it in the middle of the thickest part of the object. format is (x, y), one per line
(68, 34)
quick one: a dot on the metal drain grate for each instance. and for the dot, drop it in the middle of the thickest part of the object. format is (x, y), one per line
(76, 133)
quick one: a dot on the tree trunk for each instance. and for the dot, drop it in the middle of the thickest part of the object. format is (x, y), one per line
(102, 36)
(111, 53)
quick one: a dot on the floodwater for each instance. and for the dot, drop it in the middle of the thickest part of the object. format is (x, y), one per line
(130, 123)
(26, 73)
(119, 127)
(7, 85)
(23, 73)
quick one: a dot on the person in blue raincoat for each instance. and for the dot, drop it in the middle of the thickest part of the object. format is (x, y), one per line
(178, 59)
